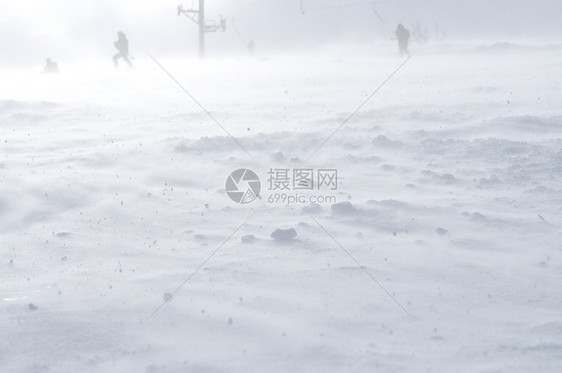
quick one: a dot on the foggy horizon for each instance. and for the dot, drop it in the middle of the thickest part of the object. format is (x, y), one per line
(69, 31)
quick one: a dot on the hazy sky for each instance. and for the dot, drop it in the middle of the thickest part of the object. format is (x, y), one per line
(31, 30)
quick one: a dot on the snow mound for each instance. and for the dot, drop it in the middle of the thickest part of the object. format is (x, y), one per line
(248, 238)
(312, 208)
(343, 208)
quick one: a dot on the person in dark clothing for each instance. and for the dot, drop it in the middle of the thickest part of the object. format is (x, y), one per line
(402, 34)
(122, 45)
(51, 67)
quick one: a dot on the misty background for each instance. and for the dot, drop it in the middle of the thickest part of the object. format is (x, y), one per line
(70, 31)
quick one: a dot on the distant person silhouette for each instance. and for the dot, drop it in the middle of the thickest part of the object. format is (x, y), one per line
(251, 48)
(402, 34)
(51, 67)
(122, 45)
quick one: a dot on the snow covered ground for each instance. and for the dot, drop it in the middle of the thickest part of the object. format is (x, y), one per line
(449, 194)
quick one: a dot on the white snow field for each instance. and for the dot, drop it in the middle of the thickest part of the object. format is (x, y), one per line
(449, 195)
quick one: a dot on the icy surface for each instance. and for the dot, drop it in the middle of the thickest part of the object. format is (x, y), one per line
(449, 195)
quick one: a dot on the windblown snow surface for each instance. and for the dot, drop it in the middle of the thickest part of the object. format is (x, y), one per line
(449, 195)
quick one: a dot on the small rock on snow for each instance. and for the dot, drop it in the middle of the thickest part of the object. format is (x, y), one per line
(284, 234)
